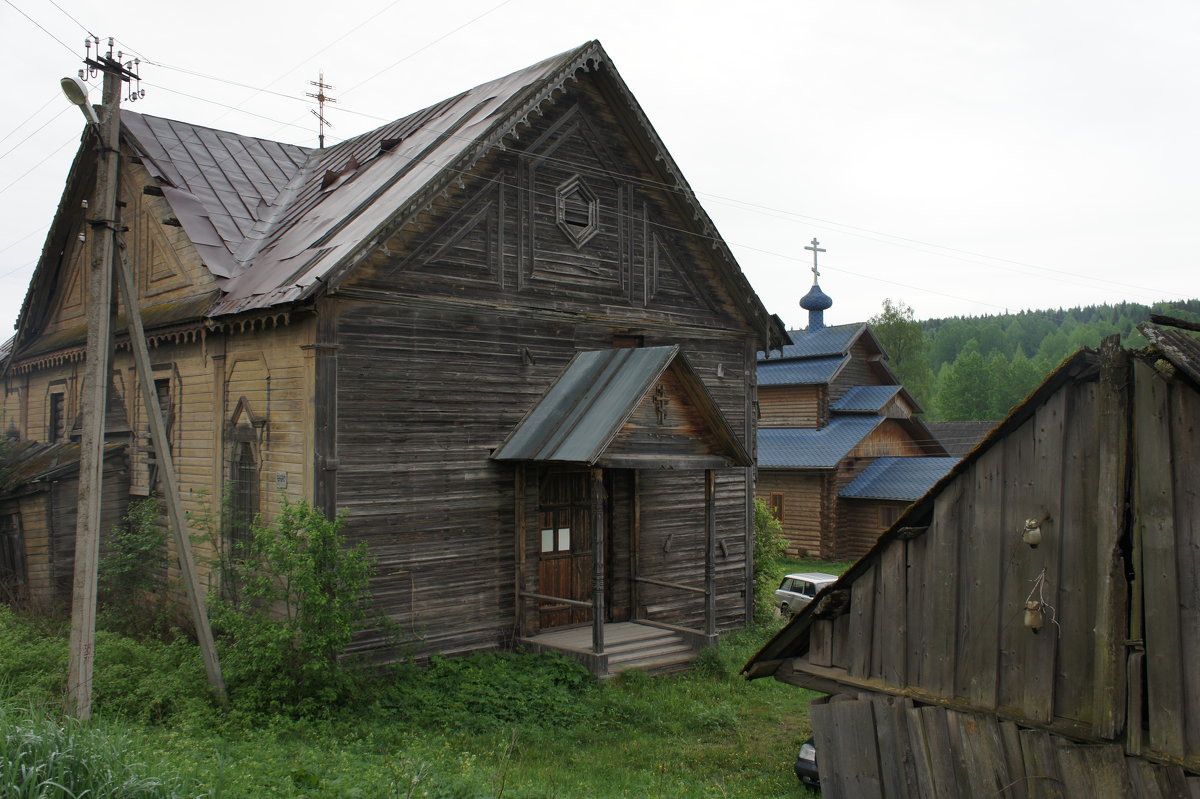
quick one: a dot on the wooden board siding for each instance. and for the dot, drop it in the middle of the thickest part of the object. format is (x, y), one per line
(889, 440)
(424, 396)
(966, 641)
(803, 507)
(1165, 479)
(862, 370)
(874, 746)
(789, 406)
(452, 329)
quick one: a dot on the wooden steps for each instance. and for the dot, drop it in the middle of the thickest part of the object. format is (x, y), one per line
(627, 645)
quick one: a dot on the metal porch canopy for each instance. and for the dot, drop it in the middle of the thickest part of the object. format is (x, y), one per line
(642, 408)
(627, 408)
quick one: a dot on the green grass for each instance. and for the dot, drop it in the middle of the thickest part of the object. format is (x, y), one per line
(492, 725)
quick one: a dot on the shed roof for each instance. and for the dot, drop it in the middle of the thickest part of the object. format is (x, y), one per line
(811, 448)
(814, 371)
(866, 399)
(587, 406)
(905, 479)
(825, 342)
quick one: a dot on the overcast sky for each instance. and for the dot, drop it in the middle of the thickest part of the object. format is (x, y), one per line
(965, 157)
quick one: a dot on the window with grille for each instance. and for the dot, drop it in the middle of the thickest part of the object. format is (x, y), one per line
(888, 515)
(244, 500)
(57, 424)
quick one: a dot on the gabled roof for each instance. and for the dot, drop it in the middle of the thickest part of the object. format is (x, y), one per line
(275, 223)
(24, 464)
(588, 405)
(959, 438)
(801, 372)
(866, 399)
(825, 342)
(906, 479)
(810, 448)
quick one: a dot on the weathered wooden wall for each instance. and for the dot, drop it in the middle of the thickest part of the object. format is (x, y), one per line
(803, 507)
(940, 616)
(790, 406)
(876, 747)
(453, 330)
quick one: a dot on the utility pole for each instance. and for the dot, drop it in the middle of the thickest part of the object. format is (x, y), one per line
(95, 388)
(105, 228)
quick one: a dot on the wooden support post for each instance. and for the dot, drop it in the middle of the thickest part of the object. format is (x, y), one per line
(710, 554)
(94, 400)
(635, 548)
(166, 474)
(598, 546)
(519, 547)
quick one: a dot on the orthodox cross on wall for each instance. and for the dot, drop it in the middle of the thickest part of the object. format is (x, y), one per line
(816, 248)
(661, 401)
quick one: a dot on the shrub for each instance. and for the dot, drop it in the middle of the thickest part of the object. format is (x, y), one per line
(769, 549)
(133, 572)
(490, 691)
(302, 594)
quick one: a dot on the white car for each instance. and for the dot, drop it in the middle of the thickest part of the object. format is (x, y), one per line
(797, 590)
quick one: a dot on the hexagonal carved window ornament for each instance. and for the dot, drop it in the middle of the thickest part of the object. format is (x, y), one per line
(577, 211)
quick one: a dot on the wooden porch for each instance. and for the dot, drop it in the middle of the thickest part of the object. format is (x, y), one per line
(627, 645)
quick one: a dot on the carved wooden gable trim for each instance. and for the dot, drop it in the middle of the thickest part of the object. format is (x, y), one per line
(573, 210)
(469, 246)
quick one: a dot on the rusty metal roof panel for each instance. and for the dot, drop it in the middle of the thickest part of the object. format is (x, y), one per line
(218, 183)
(586, 406)
(349, 192)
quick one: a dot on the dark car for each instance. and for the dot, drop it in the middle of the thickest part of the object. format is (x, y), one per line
(806, 764)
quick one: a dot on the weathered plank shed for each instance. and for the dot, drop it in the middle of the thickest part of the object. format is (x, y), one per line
(1031, 627)
(366, 324)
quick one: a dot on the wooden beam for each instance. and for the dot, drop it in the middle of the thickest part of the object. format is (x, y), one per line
(710, 554)
(166, 475)
(519, 522)
(598, 546)
(635, 547)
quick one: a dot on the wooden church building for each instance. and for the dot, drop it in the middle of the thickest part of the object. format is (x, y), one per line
(841, 450)
(1029, 628)
(499, 335)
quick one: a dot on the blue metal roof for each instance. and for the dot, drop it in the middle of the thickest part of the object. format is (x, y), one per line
(825, 342)
(786, 373)
(811, 448)
(865, 399)
(906, 479)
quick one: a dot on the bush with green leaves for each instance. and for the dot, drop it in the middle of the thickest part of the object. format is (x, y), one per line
(302, 593)
(133, 572)
(769, 549)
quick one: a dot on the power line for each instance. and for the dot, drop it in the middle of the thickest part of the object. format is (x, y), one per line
(82, 27)
(43, 30)
(55, 96)
(39, 163)
(13, 149)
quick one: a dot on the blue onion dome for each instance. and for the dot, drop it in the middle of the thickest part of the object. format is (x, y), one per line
(815, 300)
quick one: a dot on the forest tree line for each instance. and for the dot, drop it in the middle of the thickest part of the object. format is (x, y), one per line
(976, 368)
